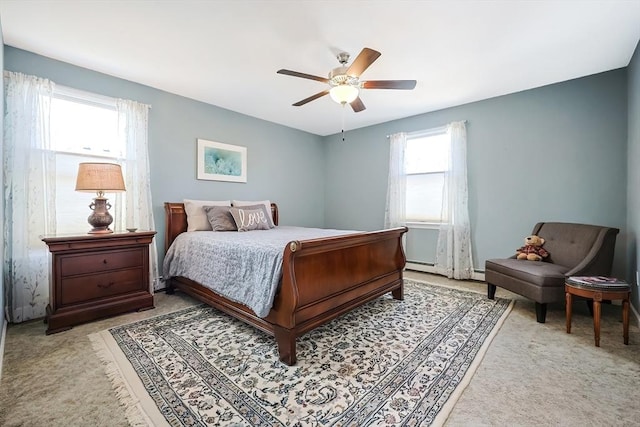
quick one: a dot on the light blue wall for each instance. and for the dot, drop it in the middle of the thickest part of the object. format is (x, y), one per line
(555, 153)
(284, 165)
(633, 176)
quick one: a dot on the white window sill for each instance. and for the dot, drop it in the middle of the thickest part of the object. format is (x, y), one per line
(424, 225)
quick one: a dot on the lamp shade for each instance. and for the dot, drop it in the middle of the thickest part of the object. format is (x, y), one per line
(104, 177)
(344, 94)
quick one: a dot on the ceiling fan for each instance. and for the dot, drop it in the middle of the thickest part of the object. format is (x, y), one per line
(345, 81)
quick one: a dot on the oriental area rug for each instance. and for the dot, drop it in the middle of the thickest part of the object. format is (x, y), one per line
(388, 362)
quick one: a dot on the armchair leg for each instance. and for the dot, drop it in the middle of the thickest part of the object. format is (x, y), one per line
(541, 312)
(491, 291)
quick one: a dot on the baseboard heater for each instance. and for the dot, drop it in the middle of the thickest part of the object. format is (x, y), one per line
(429, 267)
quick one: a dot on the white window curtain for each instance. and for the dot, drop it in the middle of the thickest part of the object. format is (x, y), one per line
(453, 252)
(133, 119)
(394, 215)
(29, 194)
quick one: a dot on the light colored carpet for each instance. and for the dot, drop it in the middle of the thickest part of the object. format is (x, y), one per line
(533, 374)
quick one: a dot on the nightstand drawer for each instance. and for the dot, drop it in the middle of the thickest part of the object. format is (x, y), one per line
(85, 288)
(107, 260)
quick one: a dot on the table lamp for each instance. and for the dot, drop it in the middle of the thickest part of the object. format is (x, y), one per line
(101, 178)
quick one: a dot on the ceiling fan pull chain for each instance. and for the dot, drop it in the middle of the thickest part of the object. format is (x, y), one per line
(343, 106)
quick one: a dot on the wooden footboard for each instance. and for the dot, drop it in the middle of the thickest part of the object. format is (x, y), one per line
(321, 279)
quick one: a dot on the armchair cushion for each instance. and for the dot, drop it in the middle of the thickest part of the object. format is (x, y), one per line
(536, 272)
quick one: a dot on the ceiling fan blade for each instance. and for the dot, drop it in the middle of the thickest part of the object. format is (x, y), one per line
(357, 105)
(364, 59)
(389, 84)
(303, 75)
(311, 98)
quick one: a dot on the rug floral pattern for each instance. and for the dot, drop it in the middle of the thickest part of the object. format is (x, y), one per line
(387, 363)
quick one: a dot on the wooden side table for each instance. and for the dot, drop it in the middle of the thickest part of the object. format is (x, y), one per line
(598, 293)
(97, 275)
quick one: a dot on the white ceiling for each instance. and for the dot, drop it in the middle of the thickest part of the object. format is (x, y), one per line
(226, 53)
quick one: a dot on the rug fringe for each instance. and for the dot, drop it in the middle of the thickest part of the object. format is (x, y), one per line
(131, 405)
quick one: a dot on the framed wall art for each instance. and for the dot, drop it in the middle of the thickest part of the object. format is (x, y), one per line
(221, 162)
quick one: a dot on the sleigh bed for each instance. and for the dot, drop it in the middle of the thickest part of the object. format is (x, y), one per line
(321, 279)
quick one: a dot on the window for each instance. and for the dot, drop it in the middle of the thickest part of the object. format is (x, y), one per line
(84, 128)
(426, 162)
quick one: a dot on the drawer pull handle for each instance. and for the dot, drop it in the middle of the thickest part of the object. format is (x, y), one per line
(104, 261)
(108, 285)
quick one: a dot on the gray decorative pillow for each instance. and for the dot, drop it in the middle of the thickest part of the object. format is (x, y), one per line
(265, 203)
(220, 218)
(250, 217)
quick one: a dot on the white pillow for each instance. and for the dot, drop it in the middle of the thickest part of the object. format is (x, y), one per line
(196, 216)
(266, 203)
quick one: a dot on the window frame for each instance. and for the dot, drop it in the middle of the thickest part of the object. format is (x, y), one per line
(427, 133)
(78, 96)
(118, 155)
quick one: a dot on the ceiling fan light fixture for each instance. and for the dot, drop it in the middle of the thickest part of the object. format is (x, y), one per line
(344, 81)
(344, 93)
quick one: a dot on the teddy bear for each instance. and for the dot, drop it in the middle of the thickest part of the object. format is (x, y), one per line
(532, 249)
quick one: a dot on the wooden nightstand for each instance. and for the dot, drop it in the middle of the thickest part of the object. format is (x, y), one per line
(97, 275)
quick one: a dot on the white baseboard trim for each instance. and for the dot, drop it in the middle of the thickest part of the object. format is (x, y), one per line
(429, 268)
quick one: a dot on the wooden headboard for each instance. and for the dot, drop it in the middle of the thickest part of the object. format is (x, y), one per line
(175, 219)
